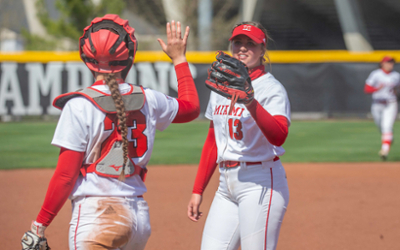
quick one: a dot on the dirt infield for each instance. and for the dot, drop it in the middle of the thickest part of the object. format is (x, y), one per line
(332, 206)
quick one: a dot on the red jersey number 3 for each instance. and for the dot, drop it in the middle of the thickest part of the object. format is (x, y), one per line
(136, 123)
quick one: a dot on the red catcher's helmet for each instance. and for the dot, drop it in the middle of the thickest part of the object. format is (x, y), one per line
(108, 45)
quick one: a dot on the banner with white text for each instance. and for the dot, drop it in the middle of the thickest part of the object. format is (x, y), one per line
(329, 88)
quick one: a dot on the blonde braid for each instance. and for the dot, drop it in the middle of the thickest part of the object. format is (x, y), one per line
(120, 107)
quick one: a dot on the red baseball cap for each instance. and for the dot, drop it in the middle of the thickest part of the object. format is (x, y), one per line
(256, 34)
(387, 59)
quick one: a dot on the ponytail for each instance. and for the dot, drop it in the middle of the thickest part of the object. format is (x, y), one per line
(121, 115)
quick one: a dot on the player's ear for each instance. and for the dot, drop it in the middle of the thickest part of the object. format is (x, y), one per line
(262, 54)
(263, 50)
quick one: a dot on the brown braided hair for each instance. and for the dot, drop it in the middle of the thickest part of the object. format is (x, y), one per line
(121, 115)
(258, 25)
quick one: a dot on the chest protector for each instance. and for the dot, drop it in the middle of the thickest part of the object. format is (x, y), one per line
(110, 162)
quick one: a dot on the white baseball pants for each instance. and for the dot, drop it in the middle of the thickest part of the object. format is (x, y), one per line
(248, 208)
(100, 223)
(384, 116)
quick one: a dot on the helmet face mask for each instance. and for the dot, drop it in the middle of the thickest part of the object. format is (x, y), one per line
(108, 45)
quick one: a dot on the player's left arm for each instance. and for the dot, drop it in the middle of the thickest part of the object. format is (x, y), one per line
(275, 128)
(175, 48)
(188, 99)
(396, 89)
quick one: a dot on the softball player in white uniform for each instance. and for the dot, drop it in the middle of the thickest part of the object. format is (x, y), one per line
(106, 135)
(382, 83)
(253, 194)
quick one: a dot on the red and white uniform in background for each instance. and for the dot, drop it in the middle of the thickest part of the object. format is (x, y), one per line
(251, 200)
(381, 85)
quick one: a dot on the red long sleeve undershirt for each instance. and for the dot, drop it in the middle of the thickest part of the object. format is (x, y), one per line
(369, 89)
(274, 128)
(208, 162)
(61, 184)
(189, 105)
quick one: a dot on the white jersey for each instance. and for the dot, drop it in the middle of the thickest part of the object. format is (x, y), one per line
(238, 137)
(83, 127)
(389, 81)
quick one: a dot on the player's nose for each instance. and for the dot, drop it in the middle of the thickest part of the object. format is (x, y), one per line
(243, 48)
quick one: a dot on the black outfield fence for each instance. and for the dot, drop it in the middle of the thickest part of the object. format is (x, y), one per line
(315, 89)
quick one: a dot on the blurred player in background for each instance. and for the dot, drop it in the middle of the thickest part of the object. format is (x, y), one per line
(253, 193)
(106, 135)
(383, 83)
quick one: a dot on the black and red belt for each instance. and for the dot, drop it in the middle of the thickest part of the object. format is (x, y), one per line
(233, 164)
(382, 101)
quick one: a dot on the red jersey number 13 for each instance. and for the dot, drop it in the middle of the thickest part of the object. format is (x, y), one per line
(235, 129)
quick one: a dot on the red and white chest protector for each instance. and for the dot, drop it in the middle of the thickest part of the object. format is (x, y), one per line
(84, 127)
(110, 159)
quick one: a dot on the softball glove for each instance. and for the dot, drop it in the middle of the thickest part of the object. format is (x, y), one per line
(230, 78)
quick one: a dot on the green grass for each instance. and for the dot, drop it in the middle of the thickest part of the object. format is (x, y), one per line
(180, 143)
(336, 141)
(27, 144)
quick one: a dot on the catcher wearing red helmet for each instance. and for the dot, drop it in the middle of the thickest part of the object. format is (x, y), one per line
(106, 134)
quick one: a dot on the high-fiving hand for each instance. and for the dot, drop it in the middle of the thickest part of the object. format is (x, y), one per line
(176, 45)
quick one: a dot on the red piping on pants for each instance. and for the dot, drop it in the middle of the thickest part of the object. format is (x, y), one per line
(77, 224)
(269, 209)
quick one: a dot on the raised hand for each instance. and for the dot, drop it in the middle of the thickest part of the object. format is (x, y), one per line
(176, 45)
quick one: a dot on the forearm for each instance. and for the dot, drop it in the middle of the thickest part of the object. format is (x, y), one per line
(369, 89)
(61, 184)
(188, 100)
(274, 128)
(208, 162)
